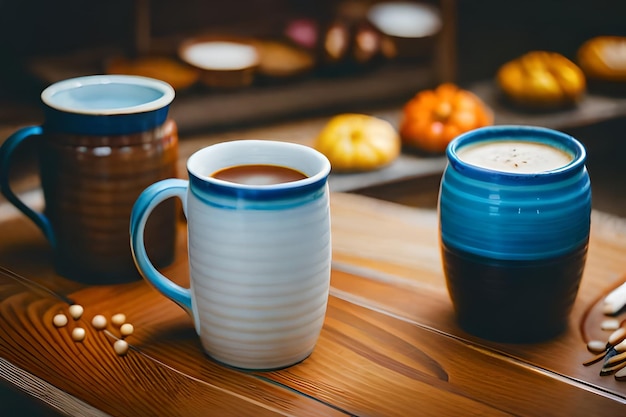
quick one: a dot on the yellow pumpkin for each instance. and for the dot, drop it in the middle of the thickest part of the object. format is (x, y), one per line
(604, 58)
(358, 142)
(542, 79)
(432, 118)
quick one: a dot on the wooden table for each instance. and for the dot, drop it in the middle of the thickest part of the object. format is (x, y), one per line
(390, 345)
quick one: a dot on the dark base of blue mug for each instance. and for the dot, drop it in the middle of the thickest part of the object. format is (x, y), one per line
(513, 301)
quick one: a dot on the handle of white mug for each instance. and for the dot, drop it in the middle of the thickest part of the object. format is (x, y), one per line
(6, 152)
(147, 201)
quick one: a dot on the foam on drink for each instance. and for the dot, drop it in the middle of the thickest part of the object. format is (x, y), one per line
(514, 156)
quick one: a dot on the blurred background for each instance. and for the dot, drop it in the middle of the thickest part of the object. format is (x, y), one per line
(43, 41)
(314, 68)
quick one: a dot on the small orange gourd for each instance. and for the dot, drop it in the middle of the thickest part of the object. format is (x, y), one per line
(432, 118)
(542, 79)
(604, 58)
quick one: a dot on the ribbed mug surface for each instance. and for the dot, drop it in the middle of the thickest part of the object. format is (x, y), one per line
(259, 255)
(90, 184)
(260, 277)
(103, 140)
(514, 244)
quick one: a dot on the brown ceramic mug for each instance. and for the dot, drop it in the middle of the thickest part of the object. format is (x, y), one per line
(104, 139)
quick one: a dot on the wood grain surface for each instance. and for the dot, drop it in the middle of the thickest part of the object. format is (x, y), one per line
(390, 345)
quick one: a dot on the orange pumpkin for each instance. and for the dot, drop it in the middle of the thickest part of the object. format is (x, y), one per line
(432, 118)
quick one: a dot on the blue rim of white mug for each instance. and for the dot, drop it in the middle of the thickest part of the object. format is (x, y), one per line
(138, 104)
(536, 134)
(203, 182)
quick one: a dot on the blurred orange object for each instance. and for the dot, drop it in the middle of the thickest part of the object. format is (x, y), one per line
(604, 58)
(432, 118)
(543, 80)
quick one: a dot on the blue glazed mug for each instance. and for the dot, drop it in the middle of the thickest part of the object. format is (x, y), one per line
(104, 139)
(514, 219)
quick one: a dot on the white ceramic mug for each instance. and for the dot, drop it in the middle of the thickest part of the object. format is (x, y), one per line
(259, 255)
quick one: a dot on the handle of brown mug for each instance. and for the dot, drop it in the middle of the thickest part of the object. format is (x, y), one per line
(6, 152)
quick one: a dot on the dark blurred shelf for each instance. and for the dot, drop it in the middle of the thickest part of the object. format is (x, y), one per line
(389, 84)
(406, 167)
(315, 95)
(297, 110)
(593, 108)
(202, 108)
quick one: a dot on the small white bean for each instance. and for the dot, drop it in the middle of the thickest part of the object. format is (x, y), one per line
(78, 334)
(76, 311)
(596, 346)
(121, 347)
(118, 319)
(59, 320)
(99, 322)
(126, 329)
(615, 300)
(609, 309)
(610, 324)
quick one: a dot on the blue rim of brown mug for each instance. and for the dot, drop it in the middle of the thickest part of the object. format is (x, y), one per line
(130, 104)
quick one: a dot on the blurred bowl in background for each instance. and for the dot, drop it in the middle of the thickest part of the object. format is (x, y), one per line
(413, 27)
(225, 62)
(281, 60)
(178, 74)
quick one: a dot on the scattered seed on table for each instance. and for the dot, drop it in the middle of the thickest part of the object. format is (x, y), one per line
(617, 336)
(608, 309)
(118, 319)
(59, 320)
(607, 370)
(76, 311)
(121, 347)
(621, 346)
(594, 359)
(596, 346)
(610, 324)
(78, 334)
(126, 329)
(615, 300)
(99, 322)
